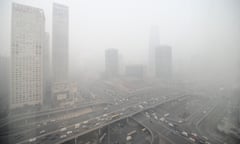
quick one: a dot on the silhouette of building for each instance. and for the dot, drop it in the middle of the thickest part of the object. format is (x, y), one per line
(135, 71)
(60, 48)
(163, 62)
(154, 41)
(4, 85)
(27, 42)
(111, 62)
(46, 71)
(60, 56)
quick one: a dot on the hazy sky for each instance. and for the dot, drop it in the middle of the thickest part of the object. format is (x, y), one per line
(200, 31)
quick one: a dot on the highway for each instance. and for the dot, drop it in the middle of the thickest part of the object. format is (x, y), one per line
(52, 125)
(171, 117)
(167, 124)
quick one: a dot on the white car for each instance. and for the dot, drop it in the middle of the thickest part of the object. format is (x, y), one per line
(97, 124)
(85, 122)
(63, 129)
(192, 139)
(84, 126)
(77, 125)
(170, 124)
(69, 132)
(180, 121)
(166, 115)
(32, 139)
(42, 131)
(184, 133)
(63, 136)
(162, 119)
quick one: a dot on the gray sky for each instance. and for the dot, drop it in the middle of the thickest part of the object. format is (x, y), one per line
(202, 32)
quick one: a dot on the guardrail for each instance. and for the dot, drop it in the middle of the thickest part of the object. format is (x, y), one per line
(151, 133)
(49, 113)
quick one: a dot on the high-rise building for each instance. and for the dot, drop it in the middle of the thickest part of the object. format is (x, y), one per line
(163, 62)
(111, 62)
(46, 71)
(136, 71)
(27, 42)
(60, 43)
(154, 41)
(4, 85)
(60, 51)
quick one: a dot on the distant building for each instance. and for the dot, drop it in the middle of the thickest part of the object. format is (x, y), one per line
(27, 42)
(60, 54)
(46, 71)
(154, 41)
(111, 62)
(4, 85)
(163, 62)
(135, 71)
(60, 48)
(65, 94)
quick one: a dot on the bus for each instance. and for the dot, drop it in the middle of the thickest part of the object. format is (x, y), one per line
(132, 132)
(115, 116)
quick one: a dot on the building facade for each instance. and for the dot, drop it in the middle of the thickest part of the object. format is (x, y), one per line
(27, 42)
(163, 62)
(60, 59)
(136, 71)
(154, 41)
(4, 85)
(111, 62)
(60, 40)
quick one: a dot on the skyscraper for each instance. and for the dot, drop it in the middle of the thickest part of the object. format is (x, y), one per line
(163, 62)
(60, 51)
(27, 42)
(154, 41)
(111, 62)
(4, 85)
(46, 71)
(60, 43)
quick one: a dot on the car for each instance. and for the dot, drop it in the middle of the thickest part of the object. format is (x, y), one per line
(63, 129)
(180, 121)
(184, 133)
(205, 137)
(85, 122)
(166, 115)
(143, 129)
(170, 124)
(105, 115)
(32, 139)
(42, 131)
(192, 139)
(194, 135)
(97, 124)
(69, 132)
(162, 119)
(63, 136)
(77, 125)
(128, 138)
(52, 120)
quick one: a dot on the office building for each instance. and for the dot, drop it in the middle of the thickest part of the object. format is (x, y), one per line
(46, 71)
(27, 42)
(4, 85)
(60, 48)
(111, 62)
(154, 41)
(135, 71)
(163, 62)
